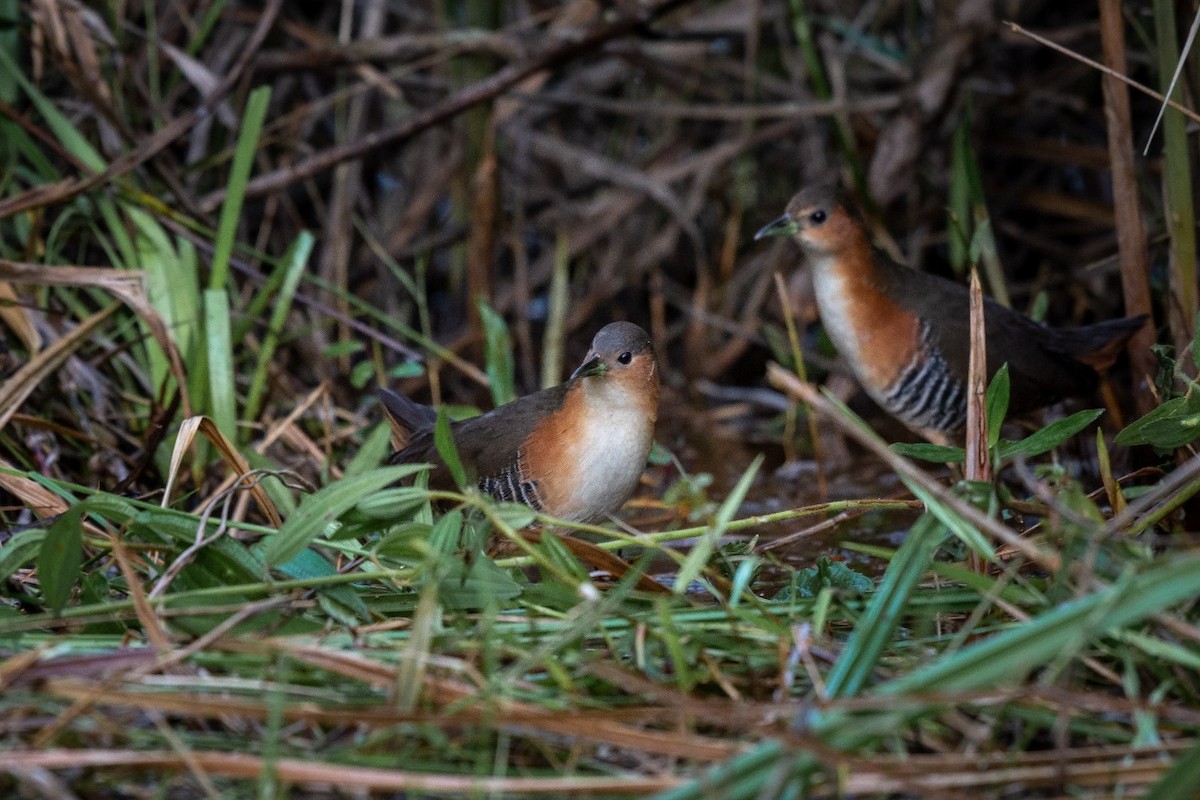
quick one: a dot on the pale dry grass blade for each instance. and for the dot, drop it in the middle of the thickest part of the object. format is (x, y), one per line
(15, 390)
(17, 318)
(36, 497)
(319, 774)
(128, 286)
(152, 625)
(188, 431)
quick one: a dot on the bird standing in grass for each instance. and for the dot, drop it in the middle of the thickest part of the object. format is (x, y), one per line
(574, 451)
(906, 333)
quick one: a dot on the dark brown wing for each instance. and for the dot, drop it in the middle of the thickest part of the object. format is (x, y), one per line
(1041, 367)
(488, 444)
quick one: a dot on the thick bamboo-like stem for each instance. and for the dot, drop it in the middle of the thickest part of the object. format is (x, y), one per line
(1131, 229)
(1177, 191)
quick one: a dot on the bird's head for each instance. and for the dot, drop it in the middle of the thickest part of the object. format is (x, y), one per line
(818, 220)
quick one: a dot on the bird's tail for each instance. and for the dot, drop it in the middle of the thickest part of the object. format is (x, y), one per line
(405, 416)
(1099, 345)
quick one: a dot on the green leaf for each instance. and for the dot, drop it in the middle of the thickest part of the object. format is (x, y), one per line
(558, 555)
(1173, 424)
(340, 602)
(1196, 343)
(1164, 375)
(407, 369)
(515, 515)
(320, 509)
(997, 403)
(659, 455)
(61, 557)
(937, 453)
(498, 352)
(393, 503)
(446, 533)
(360, 373)
(443, 440)
(19, 551)
(809, 581)
(343, 605)
(475, 584)
(339, 349)
(375, 448)
(1051, 436)
(10, 43)
(407, 540)
(167, 524)
(307, 564)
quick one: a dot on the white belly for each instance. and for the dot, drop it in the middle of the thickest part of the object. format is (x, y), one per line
(833, 301)
(611, 454)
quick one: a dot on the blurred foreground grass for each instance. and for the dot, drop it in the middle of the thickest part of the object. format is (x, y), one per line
(227, 596)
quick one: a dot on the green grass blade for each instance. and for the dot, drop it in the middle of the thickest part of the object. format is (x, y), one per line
(10, 44)
(19, 550)
(742, 777)
(71, 138)
(173, 289)
(292, 264)
(235, 190)
(960, 527)
(375, 448)
(1181, 781)
(499, 355)
(556, 314)
(318, 510)
(1177, 178)
(702, 551)
(877, 627)
(959, 217)
(443, 440)
(222, 390)
(1007, 657)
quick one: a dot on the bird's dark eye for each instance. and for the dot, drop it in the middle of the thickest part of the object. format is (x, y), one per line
(817, 217)
(625, 357)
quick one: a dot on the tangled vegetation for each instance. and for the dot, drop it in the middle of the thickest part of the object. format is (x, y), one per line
(222, 224)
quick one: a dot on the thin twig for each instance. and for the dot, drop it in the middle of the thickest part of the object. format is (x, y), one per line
(1141, 87)
(476, 93)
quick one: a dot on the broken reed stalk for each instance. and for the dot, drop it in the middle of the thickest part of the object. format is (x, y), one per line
(978, 464)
